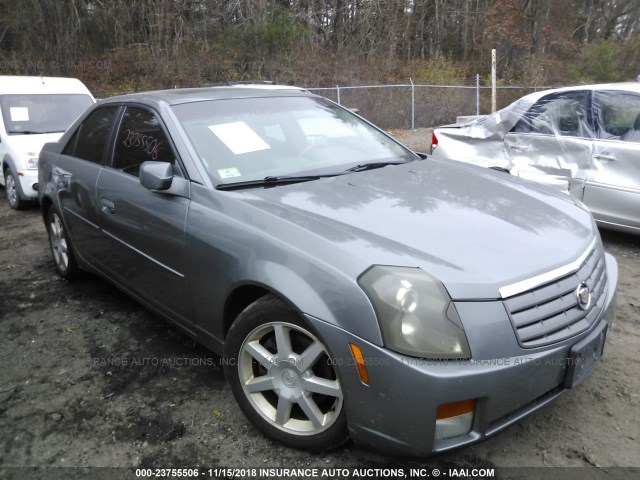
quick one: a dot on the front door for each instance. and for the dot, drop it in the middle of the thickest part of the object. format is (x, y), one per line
(146, 229)
(612, 191)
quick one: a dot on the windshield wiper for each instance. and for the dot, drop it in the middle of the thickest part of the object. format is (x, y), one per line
(269, 182)
(370, 166)
(284, 180)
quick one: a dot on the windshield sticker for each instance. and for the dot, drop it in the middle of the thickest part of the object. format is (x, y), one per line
(229, 172)
(19, 114)
(239, 137)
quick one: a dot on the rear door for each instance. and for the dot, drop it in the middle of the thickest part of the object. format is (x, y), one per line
(85, 156)
(145, 229)
(612, 190)
(552, 141)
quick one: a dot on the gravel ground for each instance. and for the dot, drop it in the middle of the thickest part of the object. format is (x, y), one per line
(89, 378)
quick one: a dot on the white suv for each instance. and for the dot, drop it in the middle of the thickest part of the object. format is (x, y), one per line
(33, 111)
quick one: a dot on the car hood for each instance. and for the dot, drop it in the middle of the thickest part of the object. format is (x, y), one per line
(31, 145)
(474, 229)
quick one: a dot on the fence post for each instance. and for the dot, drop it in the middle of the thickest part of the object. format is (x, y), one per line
(338, 94)
(477, 94)
(413, 105)
(493, 80)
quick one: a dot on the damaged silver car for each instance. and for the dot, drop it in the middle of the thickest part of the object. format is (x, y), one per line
(584, 140)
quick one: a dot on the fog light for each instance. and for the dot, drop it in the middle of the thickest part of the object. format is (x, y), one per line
(454, 419)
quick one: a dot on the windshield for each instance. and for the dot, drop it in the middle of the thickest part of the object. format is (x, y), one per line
(247, 139)
(41, 113)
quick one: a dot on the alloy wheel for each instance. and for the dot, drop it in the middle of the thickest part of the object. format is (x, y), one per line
(287, 376)
(11, 189)
(58, 241)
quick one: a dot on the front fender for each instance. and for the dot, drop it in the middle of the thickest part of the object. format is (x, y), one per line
(330, 296)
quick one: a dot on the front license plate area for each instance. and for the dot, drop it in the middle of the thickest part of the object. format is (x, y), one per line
(584, 356)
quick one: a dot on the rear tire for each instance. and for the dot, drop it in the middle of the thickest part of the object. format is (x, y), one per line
(61, 248)
(282, 377)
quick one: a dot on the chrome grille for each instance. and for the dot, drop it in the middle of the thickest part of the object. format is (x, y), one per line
(550, 313)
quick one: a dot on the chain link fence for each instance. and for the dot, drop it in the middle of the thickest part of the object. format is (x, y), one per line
(420, 106)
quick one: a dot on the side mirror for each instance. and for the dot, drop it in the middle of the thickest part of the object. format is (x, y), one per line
(156, 175)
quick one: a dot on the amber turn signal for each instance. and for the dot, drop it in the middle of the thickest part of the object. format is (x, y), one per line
(360, 363)
(455, 409)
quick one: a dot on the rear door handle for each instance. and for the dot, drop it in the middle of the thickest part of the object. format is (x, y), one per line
(107, 206)
(602, 156)
(517, 148)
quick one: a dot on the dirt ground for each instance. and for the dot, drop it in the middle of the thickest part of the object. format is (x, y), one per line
(89, 378)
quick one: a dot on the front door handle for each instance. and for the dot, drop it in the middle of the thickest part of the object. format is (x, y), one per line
(602, 156)
(517, 148)
(107, 206)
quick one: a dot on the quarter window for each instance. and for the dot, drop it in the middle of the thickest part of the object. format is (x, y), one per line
(90, 142)
(140, 139)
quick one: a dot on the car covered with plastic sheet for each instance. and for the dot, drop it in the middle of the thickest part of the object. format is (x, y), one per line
(583, 140)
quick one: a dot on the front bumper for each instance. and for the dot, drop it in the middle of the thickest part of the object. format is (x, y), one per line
(396, 412)
(28, 183)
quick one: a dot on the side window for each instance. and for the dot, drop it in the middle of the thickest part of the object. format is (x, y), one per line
(567, 114)
(90, 141)
(140, 138)
(618, 115)
(71, 144)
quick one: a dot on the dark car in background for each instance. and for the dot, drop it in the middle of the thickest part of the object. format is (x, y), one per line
(353, 288)
(583, 140)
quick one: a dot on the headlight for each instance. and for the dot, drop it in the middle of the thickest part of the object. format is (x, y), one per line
(32, 162)
(415, 312)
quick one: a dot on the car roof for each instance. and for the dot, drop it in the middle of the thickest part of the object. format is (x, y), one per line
(30, 85)
(622, 86)
(187, 95)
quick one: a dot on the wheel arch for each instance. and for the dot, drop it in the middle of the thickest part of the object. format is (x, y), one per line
(8, 163)
(327, 298)
(239, 299)
(244, 295)
(45, 205)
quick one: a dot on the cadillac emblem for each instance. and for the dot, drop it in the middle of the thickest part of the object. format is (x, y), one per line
(583, 294)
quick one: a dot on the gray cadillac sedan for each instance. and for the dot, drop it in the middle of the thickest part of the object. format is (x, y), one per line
(352, 287)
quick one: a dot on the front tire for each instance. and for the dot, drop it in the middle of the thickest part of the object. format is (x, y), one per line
(282, 377)
(61, 249)
(12, 191)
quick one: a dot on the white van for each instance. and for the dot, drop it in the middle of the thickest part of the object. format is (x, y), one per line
(33, 111)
